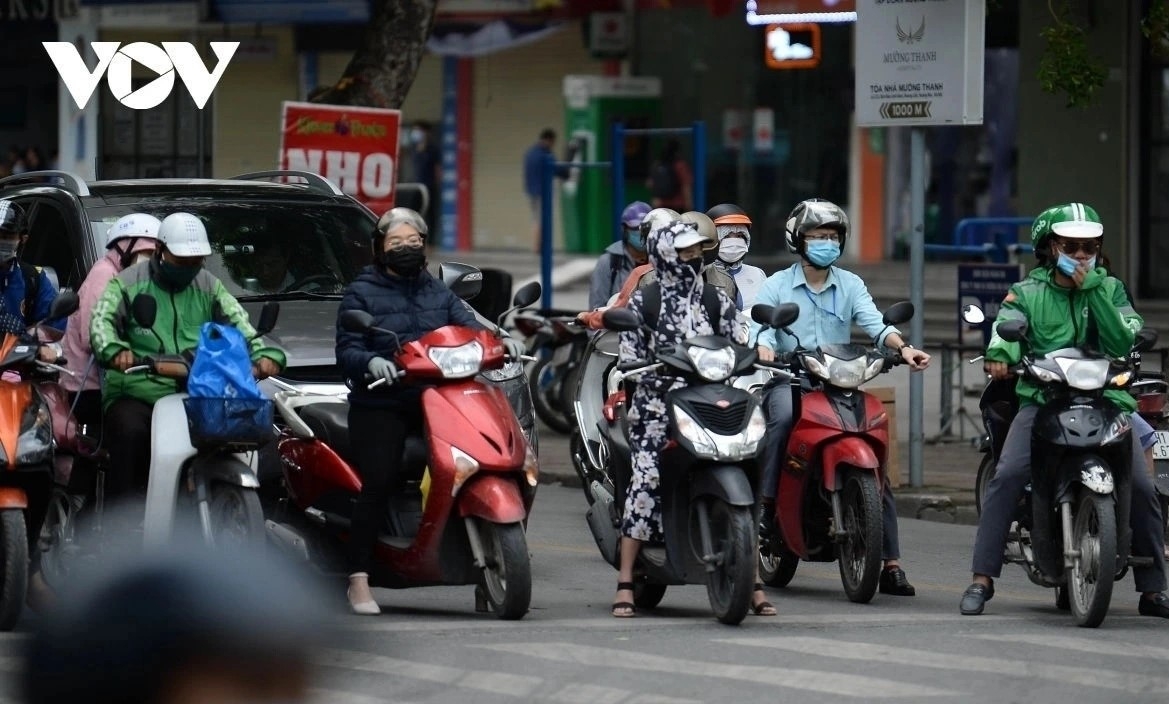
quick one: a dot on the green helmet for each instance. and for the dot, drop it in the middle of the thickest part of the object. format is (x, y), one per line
(1072, 220)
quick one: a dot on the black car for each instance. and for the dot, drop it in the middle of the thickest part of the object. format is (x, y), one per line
(298, 243)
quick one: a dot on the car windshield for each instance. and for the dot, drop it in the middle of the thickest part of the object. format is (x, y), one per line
(262, 250)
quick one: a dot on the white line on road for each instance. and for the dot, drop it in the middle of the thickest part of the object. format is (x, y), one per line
(336, 696)
(608, 623)
(576, 693)
(837, 683)
(484, 681)
(884, 654)
(1084, 645)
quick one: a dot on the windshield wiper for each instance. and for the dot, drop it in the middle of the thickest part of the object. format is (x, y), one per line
(290, 296)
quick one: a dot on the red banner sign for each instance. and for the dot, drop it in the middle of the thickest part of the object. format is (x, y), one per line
(355, 148)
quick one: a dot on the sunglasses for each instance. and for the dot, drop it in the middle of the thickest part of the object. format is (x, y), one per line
(1070, 247)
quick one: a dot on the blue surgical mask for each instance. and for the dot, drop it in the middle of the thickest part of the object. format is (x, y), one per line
(821, 253)
(634, 239)
(1067, 265)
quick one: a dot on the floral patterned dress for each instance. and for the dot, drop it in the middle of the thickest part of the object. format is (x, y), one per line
(681, 316)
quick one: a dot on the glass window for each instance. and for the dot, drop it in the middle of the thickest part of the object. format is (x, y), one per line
(50, 245)
(270, 248)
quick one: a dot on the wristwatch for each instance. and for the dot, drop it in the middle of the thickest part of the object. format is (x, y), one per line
(904, 347)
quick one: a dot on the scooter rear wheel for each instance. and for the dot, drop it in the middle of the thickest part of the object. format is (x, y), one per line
(986, 470)
(647, 596)
(237, 519)
(859, 556)
(507, 578)
(777, 570)
(546, 396)
(13, 566)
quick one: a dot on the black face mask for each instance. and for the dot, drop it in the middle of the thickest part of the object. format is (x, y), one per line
(404, 261)
(696, 264)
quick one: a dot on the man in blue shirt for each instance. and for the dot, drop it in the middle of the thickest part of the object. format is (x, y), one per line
(830, 300)
(533, 165)
(28, 292)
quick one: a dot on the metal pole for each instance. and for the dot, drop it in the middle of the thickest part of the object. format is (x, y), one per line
(546, 175)
(916, 295)
(699, 166)
(617, 170)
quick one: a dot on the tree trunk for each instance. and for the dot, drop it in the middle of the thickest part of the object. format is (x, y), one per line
(383, 69)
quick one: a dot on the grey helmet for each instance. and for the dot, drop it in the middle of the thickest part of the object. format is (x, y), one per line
(810, 214)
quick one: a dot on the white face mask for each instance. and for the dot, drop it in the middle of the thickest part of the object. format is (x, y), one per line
(142, 257)
(732, 249)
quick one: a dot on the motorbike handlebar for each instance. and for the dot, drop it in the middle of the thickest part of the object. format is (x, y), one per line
(630, 366)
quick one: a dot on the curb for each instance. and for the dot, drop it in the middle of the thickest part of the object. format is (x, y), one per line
(933, 507)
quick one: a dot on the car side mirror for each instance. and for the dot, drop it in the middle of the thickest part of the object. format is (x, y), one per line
(973, 315)
(621, 319)
(144, 308)
(528, 294)
(268, 315)
(65, 304)
(898, 313)
(356, 321)
(1012, 330)
(1146, 338)
(464, 280)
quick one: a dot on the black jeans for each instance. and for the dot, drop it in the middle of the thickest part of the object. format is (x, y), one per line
(127, 438)
(378, 437)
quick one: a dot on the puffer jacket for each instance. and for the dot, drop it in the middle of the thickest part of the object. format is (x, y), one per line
(409, 307)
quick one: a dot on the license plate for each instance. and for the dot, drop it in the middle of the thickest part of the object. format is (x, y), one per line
(1161, 449)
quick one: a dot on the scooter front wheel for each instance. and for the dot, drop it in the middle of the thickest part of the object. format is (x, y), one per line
(507, 577)
(732, 581)
(1090, 579)
(237, 519)
(859, 554)
(13, 566)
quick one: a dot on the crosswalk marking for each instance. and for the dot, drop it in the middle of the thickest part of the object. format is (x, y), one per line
(481, 680)
(879, 653)
(333, 696)
(1083, 645)
(840, 684)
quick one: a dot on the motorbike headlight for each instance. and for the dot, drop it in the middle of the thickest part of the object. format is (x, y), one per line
(816, 367)
(756, 428)
(1085, 374)
(712, 365)
(692, 431)
(465, 466)
(511, 370)
(458, 362)
(1045, 375)
(847, 374)
(874, 369)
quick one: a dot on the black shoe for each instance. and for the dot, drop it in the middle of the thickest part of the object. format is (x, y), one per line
(766, 527)
(975, 597)
(893, 581)
(1157, 606)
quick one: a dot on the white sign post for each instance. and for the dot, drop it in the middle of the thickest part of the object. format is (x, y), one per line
(919, 62)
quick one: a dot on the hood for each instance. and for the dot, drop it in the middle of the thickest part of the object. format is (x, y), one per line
(306, 330)
(671, 272)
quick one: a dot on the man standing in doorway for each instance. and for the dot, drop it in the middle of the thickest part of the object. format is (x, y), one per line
(533, 165)
(427, 163)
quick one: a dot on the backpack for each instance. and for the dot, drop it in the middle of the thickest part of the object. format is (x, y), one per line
(651, 304)
(664, 181)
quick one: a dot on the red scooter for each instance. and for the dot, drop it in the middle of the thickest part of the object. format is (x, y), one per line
(469, 481)
(828, 502)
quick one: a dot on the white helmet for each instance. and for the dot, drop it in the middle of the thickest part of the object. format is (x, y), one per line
(658, 217)
(184, 235)
(137, 225)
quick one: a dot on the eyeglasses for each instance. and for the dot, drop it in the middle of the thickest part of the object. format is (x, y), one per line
(1070, 247)
(818, 237)
(412, 241)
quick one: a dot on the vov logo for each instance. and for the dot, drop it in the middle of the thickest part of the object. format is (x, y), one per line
(116, 64)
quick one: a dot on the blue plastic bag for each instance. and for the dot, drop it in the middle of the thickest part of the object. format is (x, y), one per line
(225, 404)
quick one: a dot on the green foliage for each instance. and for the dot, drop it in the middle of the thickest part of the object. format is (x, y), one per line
(1155, 27)
(1066, 65)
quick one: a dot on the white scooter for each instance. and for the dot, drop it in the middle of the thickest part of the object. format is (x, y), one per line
(214, 482)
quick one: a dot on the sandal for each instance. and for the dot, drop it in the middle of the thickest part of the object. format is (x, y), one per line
(763, 608)
(624, 609)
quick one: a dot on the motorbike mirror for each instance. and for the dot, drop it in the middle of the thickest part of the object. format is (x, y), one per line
(898, 313)
(528, 294)
(973, 315)
(1146, 338)
(144, 309)
(268, 315)
(761, 313)
(621, 319)
(65, 304)
(784, 315)
(356, 321)
(1012, 330)
(464, 280)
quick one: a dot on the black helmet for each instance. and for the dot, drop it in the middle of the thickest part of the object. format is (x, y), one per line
(724, 209)
(811, 214)
(11, 217)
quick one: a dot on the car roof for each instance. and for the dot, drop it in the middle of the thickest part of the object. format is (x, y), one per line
(115, 192)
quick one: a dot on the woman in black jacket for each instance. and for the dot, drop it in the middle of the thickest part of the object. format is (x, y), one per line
(402, 297)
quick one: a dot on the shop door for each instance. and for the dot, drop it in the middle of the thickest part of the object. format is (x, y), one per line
(172, 140)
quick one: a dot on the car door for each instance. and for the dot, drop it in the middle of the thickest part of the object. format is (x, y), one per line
(54, 242)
